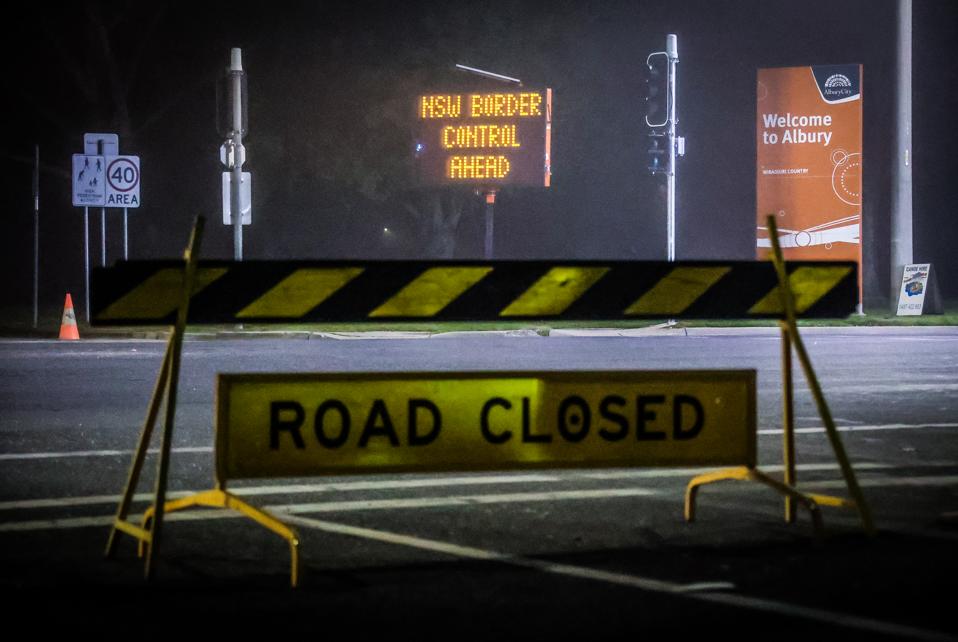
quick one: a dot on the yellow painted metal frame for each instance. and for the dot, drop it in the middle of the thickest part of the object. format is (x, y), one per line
(148, 533)
(166, 384)
(220, 498)
(812, 501)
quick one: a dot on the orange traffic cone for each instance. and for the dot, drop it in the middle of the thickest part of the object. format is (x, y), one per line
(68, 325)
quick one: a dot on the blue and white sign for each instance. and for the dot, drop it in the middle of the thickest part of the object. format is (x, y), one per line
(914, 284)
(89, 180)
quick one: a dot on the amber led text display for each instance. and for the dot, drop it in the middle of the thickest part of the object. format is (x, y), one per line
(485, 138)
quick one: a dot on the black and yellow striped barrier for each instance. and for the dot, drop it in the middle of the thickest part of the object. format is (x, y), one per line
(517, 419)
(133, 293)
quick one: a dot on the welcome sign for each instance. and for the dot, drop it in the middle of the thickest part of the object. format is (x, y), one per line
(809, 161)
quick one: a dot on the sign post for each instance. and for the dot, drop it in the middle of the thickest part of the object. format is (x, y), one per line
(88, 190)
(36, 235)
(232, 122)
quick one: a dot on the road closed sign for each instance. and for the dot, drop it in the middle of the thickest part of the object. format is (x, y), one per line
(122, 181)
(297, 425)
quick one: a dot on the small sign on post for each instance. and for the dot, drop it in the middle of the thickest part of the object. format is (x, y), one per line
(246, 198)
(101, 144)
(89, 181)
(918, 293)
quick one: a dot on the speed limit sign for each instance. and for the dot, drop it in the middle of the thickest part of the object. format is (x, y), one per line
(122, 181)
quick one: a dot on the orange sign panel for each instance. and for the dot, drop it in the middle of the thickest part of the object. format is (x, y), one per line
(809, 161)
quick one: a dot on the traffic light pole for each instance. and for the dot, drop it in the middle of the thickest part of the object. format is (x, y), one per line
(671, 49)
(675, 144)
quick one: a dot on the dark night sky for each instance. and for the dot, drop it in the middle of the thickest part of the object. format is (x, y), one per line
(329, 86)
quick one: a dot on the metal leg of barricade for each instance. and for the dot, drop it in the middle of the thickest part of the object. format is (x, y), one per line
(790, 325)
(746, 473)
(165, 389)
(788, 424)
(221, 498)
(791, 339)
(120, 522)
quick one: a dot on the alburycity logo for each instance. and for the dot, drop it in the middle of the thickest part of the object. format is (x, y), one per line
(837, 86)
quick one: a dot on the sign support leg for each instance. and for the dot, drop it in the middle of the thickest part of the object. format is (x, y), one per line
(123, 509)
(86, 260)
(126, 239)
(791, 338)
(102, 237)
(219, 497)
(36, 235)
(490, 208)
(788, 303)
(166, 386)
(788, 422)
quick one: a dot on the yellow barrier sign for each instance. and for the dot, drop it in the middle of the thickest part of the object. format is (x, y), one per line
(296, 424)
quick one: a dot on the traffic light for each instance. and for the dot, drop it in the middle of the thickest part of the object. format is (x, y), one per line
(659, 153)
(657, 90)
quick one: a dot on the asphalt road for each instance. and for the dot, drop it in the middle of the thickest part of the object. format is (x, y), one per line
(584, 554)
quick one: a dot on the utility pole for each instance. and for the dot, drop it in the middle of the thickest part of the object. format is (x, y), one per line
(901, 216)
(664, 143)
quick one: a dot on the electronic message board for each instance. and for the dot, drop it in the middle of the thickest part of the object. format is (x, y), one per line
(485, 138)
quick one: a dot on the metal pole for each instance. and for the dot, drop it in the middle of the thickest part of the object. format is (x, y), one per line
(36, 235)
(490, 206)
(236, 208)
(102, 237)
(100, 152)
(788, 422)
(671, 48)
(126, 241)
(901, 216)
(86, 260)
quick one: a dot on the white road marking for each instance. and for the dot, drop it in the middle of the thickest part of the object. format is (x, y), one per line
(293, 489)
(209, 449)
(885, 482)
(861, 428)
(703, 591)
(656, 473)
(892, 388)
(349, 506)
(462, 500)
(486, 480)
(70, 523)
(409, 502)
(469, 552)
(883, 628)
(96, 453)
